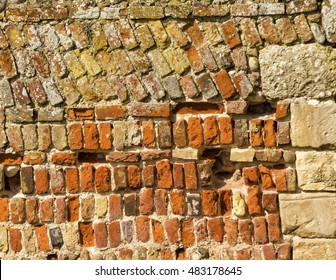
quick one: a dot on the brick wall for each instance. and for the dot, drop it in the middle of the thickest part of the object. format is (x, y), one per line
(167, 129)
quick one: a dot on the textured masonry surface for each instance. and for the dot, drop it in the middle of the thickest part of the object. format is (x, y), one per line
(144, 129)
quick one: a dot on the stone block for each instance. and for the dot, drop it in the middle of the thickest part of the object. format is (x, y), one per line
(329, 19)
(298, 71)
(310, 215)
(314, 249)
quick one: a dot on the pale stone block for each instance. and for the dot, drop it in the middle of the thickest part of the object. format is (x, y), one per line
(242, 155)
(187, 153)
(314, 249)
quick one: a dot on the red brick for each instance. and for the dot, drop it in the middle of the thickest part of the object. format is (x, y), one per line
(273, 227)
(17, 209)
(259, 229)
(73, 208)
(187, 232)
(172, 230)
(224, 84)
(211, 133)
(284, 252)
(146, 201)
(119, 175)
(243, 84)
(4, 209)
(198, 108)
(190, 175)
(215, 229)
(266, 178)
(250, 175)
(155, 154)
(158, 232)
(142, 228)
(86, 234)
(256, 133)
(195, 34)
(15, 237)
(87, 178)
(123, 157)
(148, 134)
(254, 200)
(269, 31)
(231, 229)
(194, 59)
(75, 136)
(280, 179)
(245, 231)
(32, 210)
(195, 132)
(225, 130)
(161, 202)
(115, 206)
(268, 252)
(201, 230)
(225, 202)
(177, 202)
(71, 180)
(125, 254)
(148, 175)
(10, 159)
(60, 210)
(256, 254)
(282, 110)
(270, 202)
(243, 254)
(46, 210)
(167, 254)
(209, 203)
(79, 114)
(64, 158)
(188, 86)
(42, 238)
(102, 179)
(230, 33)
(164, 174)
(100, 234)
(269, 133)
(178, 175)
(286, 30)
(7, 64)
(37, 92)
(91, 136)
(114, 234)
(134, 176)
(105, 135)
(32, 158)
(110, 112)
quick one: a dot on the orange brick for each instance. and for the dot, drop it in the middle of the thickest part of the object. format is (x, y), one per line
(73, 208)
(71, 180)
(211, 133)
(75, 136)
(187, 232)
(164, 174)
(32, 210)
(87, 178)
(215, 228)
(4, 209)
(177, 202)
(209, 203)
(256, 133)
(15, 237)
(230, 33)
(190, 175)
(114, 234)
(269, 133)
(142, 228)
(158, 232)
(224, 84)
(102, 179)
(105, 136)
(172, 230)
(42, 238)
(86, 234)
(225, 130)
(100, 234)
(195, 132)
(115, 206)
(146, 201)
(46, 210)
(134, 176)
(91, 136)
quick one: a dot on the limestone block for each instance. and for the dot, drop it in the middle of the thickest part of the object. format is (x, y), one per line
(187, 153)
(298, 71)
(314, 249)
(242, 155)
(313, 125)
(310, 215)
(329, 19)
(316, 170)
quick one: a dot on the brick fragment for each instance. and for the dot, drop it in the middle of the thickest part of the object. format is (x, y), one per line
(194, 59)
(269, 31)
(266, 177)
(286, 30)
(256, 133)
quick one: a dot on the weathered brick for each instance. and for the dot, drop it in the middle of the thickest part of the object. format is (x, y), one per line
(46, 210)
(100, 234)
(42, 184)
(209, 202)
(266, 177)
(187, 232)
(131, 204)
(119, 175)
(211, 132)
(243, 85)
(60, 206)
(4, 209)
(91, 136)
(245, 231)
(142, 228)
(42, 238)
(7, 64)
(164, 174)
(27, 179)
(256, 132)
(172, 86)
(164, 134)
(64, 158)
(87, 178)
(150, 110)
(230, 33)
(105, 135)
(244, 10)
(75, 137)
(73, 208)
(102, 179)
(250, 175)
(17, 209)
(260, 230)
(32, 210)
(123, 157)
(253, 200)
(177, 202)
(231, 229)
(241, 133)
(273, 227)
(114, 232)
(286, 30)
(158, 232)
(134, 176)
(15, 238)
(86, 236)
(195, 132)
(225, 202)
(216, 230)
(154, 86)
(190, 175)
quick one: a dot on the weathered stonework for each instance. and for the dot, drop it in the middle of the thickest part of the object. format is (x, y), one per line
(329, 19)
(308, 215)
(298, 71)
(313, 249)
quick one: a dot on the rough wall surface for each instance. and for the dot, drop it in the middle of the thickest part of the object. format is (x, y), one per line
(167, 129)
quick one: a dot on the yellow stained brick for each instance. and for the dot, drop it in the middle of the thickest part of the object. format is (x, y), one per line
(106, 62)
(160, 35)
(14, 36)
(90, 63)
(176, 59)
(75, 67)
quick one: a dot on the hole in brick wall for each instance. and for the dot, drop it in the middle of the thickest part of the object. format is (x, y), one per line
(198, 108)
(210, 153)
(52, 257)
(13, 184)
(180, 254)
(261, 109)
(91, 157)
